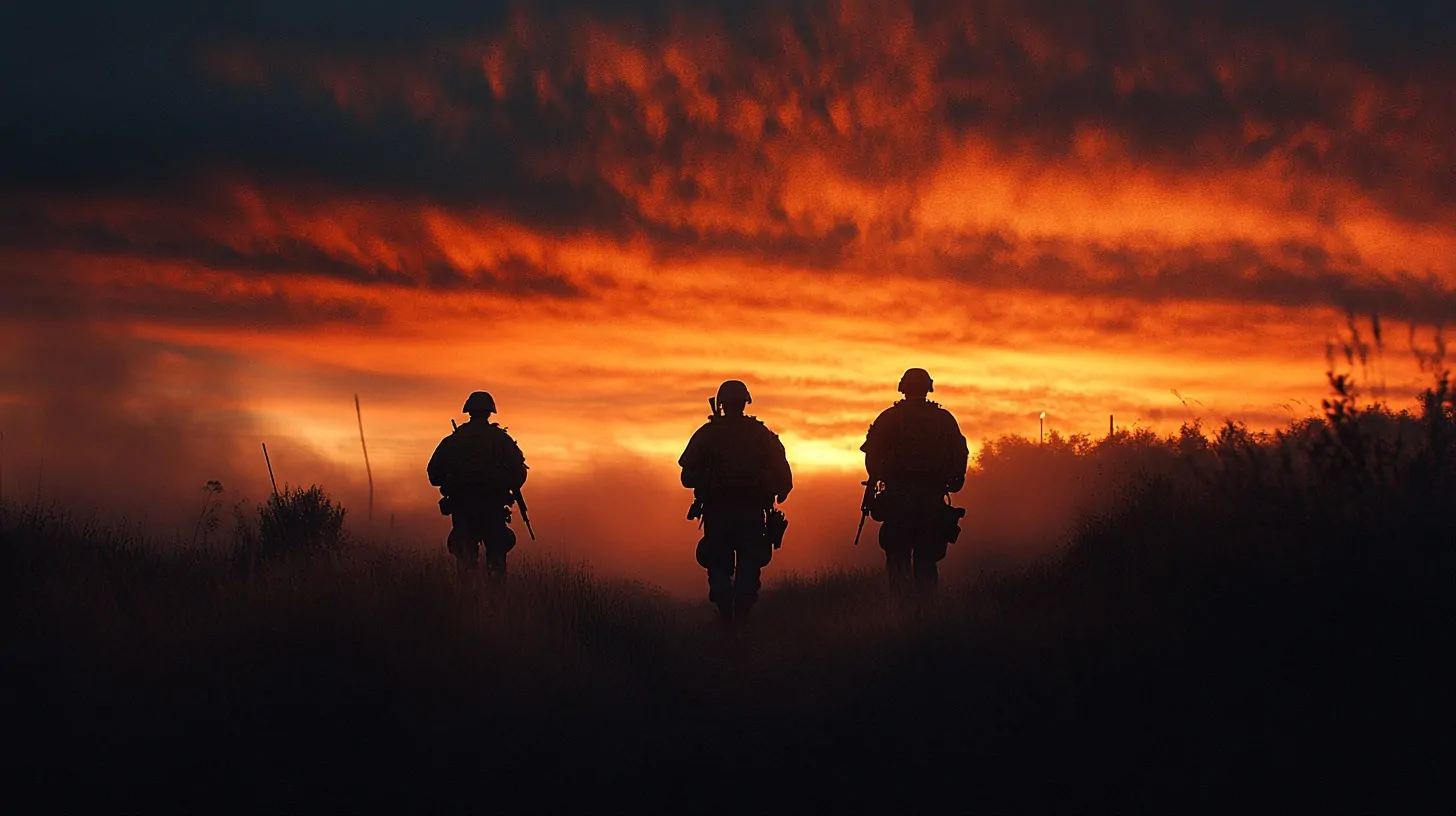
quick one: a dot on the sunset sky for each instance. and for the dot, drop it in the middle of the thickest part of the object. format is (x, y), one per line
(219, 224)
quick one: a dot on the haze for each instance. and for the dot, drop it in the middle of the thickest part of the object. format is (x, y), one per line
(217, 227)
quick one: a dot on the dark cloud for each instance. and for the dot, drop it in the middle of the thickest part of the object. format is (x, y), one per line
(98, 134)
(177, 241)
(1207, 86)
(119, 94)
(803, 247)
(34, 292)
(130, 99)
(1292, 274)
(1388, 37)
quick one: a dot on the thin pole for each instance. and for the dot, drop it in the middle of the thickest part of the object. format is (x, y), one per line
(367, 470)
(1041, 427)
(267, 461)
(1109, 424)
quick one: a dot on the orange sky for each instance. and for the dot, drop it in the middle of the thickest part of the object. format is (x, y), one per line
(599, 215)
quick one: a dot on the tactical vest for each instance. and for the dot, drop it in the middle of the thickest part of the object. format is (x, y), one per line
(915, 443)
(484, 456)
(739, 458)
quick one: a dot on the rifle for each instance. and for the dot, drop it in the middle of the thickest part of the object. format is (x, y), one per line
(713, 404)
(864, 506)
(520, 501)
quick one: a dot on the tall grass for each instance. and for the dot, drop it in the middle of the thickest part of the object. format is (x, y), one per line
(1235, 619)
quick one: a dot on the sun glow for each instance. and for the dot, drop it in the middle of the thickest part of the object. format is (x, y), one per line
(600, 221)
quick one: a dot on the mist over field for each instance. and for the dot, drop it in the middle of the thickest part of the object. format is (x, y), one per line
(101, 441)
(104, 446)
(1227, 614)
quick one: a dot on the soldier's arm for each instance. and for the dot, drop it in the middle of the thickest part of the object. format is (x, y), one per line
(693, 460)
(873, 448)
(959, 455)
(783, 475)
(515, 464)
(436, 469)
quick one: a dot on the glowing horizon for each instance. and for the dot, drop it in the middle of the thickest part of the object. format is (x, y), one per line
(598, 216)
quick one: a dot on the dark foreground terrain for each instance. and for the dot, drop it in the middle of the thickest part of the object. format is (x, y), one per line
(1262, 624)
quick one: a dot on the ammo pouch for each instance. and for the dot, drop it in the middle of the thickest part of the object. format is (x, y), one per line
(951, 521)
(446, 507)
(775, 524)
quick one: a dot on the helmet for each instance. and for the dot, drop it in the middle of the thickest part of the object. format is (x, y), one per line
(733, 391)
(916, 381)
(480, 402)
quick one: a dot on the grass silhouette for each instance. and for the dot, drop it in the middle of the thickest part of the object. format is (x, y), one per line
(1238, 619)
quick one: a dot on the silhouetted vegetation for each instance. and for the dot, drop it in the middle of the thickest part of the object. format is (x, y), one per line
(1357, 473)
(1237, 619)
(295, 522)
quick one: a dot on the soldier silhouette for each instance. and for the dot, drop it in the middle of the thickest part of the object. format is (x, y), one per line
(916, 455)
(737, 469)
(478, 469)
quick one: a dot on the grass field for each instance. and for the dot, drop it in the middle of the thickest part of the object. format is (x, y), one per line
(1250, 621)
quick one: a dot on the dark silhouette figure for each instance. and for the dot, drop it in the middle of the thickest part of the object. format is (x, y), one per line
(478, 468)
(915, 453)
(737, 469)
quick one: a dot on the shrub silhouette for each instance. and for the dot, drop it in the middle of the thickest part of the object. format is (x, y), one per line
(1358, 473)
(298, 521)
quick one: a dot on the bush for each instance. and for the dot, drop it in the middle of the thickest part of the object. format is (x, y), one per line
(1353, 480)
(296, 521)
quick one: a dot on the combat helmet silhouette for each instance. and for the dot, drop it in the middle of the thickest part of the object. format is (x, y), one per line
(734, 391)
(915, 381)
(479, 402)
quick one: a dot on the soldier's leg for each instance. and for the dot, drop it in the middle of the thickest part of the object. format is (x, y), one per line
(749, 579)
(716, 556)
(897, 551)
(752, 555)
(930, 542)
(720, 583)
(462, 544)
(747, 584)
(499, 540)
(927, 556)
